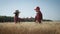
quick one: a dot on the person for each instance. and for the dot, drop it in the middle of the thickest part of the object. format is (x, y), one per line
(38, 17)
(16, 18)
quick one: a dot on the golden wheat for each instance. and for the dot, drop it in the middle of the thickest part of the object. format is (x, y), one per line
(30, 28)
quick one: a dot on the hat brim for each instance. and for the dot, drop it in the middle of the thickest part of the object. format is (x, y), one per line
(35, 9)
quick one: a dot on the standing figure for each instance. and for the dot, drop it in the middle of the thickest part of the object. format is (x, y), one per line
(38, 16)
(16, 18)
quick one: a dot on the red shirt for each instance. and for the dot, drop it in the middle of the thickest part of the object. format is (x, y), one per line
(38, 16)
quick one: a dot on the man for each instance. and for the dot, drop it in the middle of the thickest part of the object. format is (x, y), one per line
(38, 16)
(16, 18)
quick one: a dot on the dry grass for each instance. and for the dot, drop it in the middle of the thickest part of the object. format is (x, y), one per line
(30, 28)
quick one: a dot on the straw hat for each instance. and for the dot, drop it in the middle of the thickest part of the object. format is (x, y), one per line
(16, 12)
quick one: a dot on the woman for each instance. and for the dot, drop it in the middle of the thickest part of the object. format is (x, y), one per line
(16, 18)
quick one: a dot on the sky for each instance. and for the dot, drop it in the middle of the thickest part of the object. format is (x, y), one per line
(49, 8)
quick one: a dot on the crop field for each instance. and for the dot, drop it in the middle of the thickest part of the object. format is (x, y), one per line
(30, 28)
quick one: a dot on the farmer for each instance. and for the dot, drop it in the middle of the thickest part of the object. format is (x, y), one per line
(38, 16)
(16, 18)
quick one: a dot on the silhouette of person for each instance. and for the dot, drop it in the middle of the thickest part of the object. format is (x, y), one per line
(38, 16)
(16, 18)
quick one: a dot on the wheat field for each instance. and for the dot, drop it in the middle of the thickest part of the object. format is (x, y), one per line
(30, 28)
